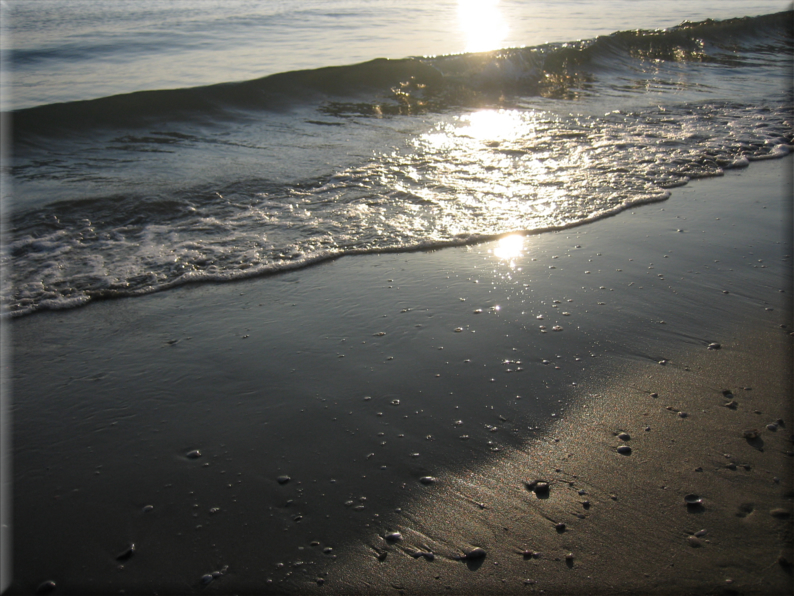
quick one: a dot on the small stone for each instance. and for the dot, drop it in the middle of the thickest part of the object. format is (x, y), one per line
(427, 480)
(780, 513)
(772, 426)
(283, 479)
(624, 436)
(569, 557)
(750, 433)
(700, 533)
(654, 395)
(393, 536)
(475, 553)
(714, 346)
(148, 508)
(126, 553)
(539, 487)
(46, 587)
(195, 454)
(682, 414)
(692, 500)
(731, 404)
(694, 542)
(624, 450)
(328, 550)
(560, 527)
(206, 579)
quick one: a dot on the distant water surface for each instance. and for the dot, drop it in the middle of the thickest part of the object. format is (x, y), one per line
(83, 49)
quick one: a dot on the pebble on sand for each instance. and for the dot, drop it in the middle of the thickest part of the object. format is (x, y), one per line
(46, 587)
(283, 479)
(195, 454)
(624, 450)
(427, 480)
(393, 536)
(542, 488)
(475, 553)
(539, 487)
(624, 436)
(126, 553)
(692, 500)
(714, 346)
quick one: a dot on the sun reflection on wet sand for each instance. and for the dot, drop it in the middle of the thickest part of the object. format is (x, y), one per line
(509, 247)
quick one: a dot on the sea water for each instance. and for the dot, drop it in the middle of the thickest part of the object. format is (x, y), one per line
(160, 143)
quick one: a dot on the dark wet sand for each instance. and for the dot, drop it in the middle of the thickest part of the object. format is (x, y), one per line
(359, 377)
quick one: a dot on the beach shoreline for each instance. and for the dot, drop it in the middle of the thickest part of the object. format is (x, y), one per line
(358, 377)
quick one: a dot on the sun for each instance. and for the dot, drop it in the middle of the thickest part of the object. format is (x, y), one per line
(482, 24)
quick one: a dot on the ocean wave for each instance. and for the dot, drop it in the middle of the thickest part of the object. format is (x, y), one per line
(410, 85)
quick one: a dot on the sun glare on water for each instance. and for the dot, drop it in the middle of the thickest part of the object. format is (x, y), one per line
(482, 24)
(495, 125)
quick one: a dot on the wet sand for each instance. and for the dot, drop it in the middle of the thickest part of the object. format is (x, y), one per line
(275, 431)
